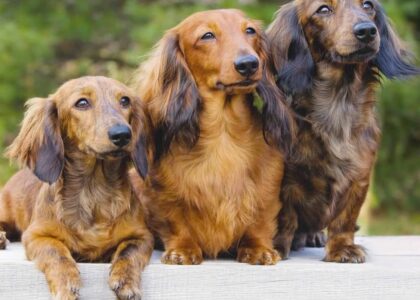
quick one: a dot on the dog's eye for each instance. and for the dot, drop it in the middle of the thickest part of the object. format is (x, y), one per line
(125, 101)
(82, 103)
(324, 9)
(367, 5)
(208, 36)
(250, 30)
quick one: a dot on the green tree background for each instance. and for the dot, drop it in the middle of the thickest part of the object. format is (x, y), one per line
(44, 43)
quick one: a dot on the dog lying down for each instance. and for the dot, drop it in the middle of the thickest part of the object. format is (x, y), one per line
(73, 200)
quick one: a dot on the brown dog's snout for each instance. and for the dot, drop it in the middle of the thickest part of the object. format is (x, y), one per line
(247, 65)
(365, 31)
(120, 135)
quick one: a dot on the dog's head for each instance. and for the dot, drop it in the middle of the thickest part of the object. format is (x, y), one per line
(220, 51)
(340, 32)
(223, 50)
(98, 116)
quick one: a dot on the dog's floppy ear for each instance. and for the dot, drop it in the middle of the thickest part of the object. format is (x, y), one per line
(278, 123)
(165, 83)
(141, 133)
(290, 51)
(392, 57)
(39, 145)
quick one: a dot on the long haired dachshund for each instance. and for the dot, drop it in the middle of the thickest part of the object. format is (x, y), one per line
(213, 186)
(73, 201)
(328, 56)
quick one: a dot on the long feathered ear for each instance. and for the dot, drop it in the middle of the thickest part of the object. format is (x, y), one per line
(39, 145)
(392, 57)
(141, 132)
(278, 123)
(165, 83)
(291, 54)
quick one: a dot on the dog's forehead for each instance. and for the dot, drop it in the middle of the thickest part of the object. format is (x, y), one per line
(93, 84)
(211, 18)
(332, 3)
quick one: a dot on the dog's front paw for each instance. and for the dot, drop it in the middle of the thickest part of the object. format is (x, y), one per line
(258, 256)
(67, 285)
(65, 294)
(3, 240)
(345, 254)
(124, 287)
(124, 281)
(192, 256)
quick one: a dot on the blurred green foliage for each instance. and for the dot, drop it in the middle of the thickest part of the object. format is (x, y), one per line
(44, 43)
(397, 178)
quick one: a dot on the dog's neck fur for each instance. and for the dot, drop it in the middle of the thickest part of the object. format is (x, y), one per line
(340, 109)
(90, 189)
(341, 101)
(222, 113)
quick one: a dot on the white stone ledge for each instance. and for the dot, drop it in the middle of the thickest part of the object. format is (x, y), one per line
(392, 271)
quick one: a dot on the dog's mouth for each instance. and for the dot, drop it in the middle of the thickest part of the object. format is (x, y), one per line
(112, 154)
(362, 55)
(248, 83)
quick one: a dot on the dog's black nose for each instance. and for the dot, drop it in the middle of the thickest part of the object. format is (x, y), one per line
(247, 65)
(120, 135)
(365, 32)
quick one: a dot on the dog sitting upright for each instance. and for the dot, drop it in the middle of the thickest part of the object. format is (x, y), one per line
(328, 56)
(74, 200)
(213, 185)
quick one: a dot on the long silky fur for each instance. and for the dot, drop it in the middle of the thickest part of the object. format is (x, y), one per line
(217, 160)
(392, 57)
(292, 58)
(328, 173)
(39, 144)
(73, 204)
(166, 76)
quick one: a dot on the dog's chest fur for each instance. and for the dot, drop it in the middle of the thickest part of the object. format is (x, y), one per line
(215, 182)
(336, 145)
(89, 203)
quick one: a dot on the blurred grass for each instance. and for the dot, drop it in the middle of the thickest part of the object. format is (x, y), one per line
(44, 43)
(394, 223)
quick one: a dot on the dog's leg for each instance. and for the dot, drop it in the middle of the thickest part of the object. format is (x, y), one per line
(287, 225)
(54, 259)
(340, 246)
(128, 262)
(180, 246)
(182, 250)
(256, 246)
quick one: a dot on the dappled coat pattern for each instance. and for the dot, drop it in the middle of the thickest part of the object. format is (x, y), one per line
(328, 59)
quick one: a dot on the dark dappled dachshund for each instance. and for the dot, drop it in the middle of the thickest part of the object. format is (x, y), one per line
(73, 201)
(329, 56)
(213, 186)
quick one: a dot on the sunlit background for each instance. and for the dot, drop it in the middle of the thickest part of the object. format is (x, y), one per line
(44, 43)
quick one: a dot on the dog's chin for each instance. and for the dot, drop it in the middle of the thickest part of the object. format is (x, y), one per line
(241, 87)
(359, 56)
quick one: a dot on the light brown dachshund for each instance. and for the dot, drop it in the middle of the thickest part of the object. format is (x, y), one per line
(214, 182)
(73, 200)
(328, 57)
